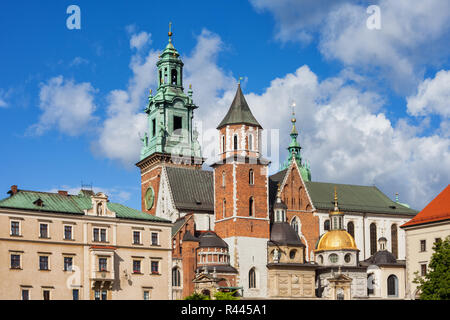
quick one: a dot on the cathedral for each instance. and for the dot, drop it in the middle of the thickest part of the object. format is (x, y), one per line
(236, 228)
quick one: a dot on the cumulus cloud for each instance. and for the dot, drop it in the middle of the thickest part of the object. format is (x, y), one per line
(433, 96)
(67, 106)
(138, 41)
(411, 35)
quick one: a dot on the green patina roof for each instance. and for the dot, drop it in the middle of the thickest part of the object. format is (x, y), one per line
(354, 198)
(70, 204)
(239, 112)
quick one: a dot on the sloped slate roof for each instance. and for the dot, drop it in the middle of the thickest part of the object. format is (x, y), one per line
(239, 112)
(69, 204)
(352, 198)
(210, 239)
(283, 234)
(192, 189)
(379, 258)
(437, 210)
(177, 225)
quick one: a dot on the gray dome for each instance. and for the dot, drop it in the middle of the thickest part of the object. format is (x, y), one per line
(382, 257)
(279, 205)
(211, 240)
(282, 233)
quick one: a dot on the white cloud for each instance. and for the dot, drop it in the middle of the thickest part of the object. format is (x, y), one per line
(78, 61)
(138, 41)
(433, 96)
(66, 105)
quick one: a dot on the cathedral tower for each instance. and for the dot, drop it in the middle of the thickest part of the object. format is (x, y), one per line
(171, 138)
(241, 196)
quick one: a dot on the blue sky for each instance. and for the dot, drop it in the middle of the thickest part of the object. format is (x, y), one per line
(372, 105)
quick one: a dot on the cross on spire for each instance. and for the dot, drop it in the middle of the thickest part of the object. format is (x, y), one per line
(170, 32)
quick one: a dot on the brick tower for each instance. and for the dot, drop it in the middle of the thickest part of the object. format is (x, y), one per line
(241, 196)
(171, 139)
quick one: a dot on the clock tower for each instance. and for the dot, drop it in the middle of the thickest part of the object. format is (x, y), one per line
(170, 139)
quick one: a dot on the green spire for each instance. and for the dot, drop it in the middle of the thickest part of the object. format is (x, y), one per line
(295, 151)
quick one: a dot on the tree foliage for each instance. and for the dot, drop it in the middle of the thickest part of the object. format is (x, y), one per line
(225, 295)
(435, 285)
(197, 296)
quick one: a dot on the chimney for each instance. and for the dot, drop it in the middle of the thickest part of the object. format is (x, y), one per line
(62, 192)
(13, 190)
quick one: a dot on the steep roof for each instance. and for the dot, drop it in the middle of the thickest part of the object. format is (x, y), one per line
(352, 198)
(210, 239)
(239, 112)
(192, 189)
(281, 233)
(69, 204)
(437, 210)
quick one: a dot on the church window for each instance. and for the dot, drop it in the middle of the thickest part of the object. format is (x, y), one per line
(252, 278)
(348, 258)
(333, 258)
(251, 177)
(223, 179)
(370, 283)
(326, 225)
(351, 229)
(224, 207)
(153, 127)
(174, 77)
(294, 224)
(250, 142)
(235, 142)
(373, 238)
(392, 286)
(177, 123)
(300, 197)
(251, 206)
(176, 277)
(394, 240)
(223, 143)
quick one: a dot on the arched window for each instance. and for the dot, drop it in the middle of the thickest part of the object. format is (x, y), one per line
(251, 206)
(252, 278)
(326, 225)
(251, 177)
(223, 143)
(394, 240)
(223, 178)
(351, 228)
(373, 238)
(224, 207)
(176, 277)
(250, 142)
(392, 286)
(295, 224)
(174, 77)
(370, 283)
(235, 142)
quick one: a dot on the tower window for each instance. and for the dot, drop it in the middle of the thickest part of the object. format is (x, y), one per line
(252, 278)
(351, 229)
(174, 77)
(251, 206)
(373, 238)
(223, 178)
(223, 143)
(153, 127)
(235, 142)
(160, 77)
(394, 240)
(250, 142)
(177, 123)
(251, 178)
(326, 225)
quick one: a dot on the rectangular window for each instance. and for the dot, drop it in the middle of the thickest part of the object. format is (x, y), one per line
(75, 294)
(97, 295)
(46, 294)
(25, 294)
(136, 266)
(68, 232)
(136, 237)
(103, 235)
(423, 269)
(146, 295)
(96, 234)
(68, 263)
(43, 262)
(15, 228)
(423, 245)
(153, 127)
(177, 123)
(155, 265)
(15, 261)
(104, 294)
(102, 264)
(154, 239)
(43, 230)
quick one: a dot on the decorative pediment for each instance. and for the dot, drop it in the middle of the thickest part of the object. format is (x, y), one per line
(100, 206)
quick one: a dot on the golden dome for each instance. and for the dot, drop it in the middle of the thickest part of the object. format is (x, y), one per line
(336, 240)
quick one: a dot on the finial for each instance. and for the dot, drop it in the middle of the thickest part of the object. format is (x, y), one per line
(239, 80)
(335, 199)
(190, 86)
(396, 197)
(293, 120)
(150, 92)
(278, 188)
(170, 32)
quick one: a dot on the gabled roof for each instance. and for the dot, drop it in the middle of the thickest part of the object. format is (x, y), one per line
(352, 198)
(69, 204)
(437, 210)
(239, 112)
(192, 189)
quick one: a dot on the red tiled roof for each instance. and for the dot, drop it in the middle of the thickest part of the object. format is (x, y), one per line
(437, 210)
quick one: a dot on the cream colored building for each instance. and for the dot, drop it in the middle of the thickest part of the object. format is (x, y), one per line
(61, 246)
(430, 224)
